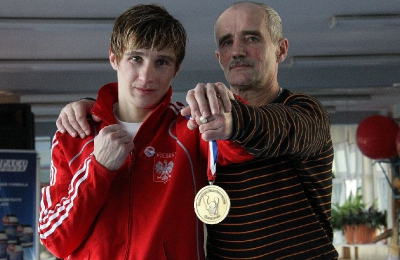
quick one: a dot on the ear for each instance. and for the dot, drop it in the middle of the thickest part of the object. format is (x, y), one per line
(282, 50)
(218, 56)
(113, 59)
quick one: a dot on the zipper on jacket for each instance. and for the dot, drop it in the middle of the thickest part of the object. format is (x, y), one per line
(131, 160)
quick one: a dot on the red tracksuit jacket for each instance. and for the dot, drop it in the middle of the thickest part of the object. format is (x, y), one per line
(144, 210)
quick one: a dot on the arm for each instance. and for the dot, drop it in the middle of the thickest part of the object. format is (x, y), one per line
(81, 176)
(299, 126)
(217, 110)
(73, 118)
(73, 192)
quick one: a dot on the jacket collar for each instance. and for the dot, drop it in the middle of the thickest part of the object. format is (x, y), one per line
(108, 96)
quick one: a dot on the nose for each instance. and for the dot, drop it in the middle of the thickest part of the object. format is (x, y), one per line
(238, 49)
(146, 73)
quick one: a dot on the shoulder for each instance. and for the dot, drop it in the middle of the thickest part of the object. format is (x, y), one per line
(67, 142)
(288, 95)
(289, 98)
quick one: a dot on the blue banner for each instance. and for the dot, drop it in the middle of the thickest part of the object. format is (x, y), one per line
(19, 189)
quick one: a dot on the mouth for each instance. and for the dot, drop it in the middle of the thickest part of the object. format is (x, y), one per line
(145, 90)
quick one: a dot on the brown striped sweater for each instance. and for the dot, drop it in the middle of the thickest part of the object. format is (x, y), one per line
(281, 200)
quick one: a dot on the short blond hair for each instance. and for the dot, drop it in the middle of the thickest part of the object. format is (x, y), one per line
(149, 27)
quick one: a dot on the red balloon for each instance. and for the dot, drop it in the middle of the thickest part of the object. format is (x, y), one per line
(376, 137)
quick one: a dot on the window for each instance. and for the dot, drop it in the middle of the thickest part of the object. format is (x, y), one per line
(352, 171)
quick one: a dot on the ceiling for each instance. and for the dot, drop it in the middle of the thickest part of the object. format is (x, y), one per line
(345, 53)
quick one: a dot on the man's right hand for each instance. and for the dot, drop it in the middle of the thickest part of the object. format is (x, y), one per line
(111, 146)
(212, 101)
(73, 118)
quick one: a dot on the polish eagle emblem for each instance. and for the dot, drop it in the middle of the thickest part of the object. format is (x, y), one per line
(163, 170)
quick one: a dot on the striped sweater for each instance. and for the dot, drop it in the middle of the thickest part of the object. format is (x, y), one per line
(280, 201)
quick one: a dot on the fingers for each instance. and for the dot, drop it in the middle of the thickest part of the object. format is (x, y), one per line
(218, 127)
(207, 97)
(82, 111)
(96, 118)
(186, 112)
(112, 146)
(203, 99)
(211, 101)
(73, 118)
(225, 96)
(193, 104)
(214, 127)
(63, 123)
(207, 101)
(192, 124)
(60, 126)
(118, 134)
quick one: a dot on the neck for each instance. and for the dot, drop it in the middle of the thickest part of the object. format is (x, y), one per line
(131, 115)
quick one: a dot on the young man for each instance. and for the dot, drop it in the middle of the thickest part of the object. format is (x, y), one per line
(280, 200)
(127, 190)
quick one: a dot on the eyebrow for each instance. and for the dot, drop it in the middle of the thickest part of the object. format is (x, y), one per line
(244, 33)
(167, 57)
(224, 38)
(159, 56)
(250, 32)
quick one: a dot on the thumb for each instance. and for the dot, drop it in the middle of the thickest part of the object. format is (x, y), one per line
(96, 118)
(186, 111)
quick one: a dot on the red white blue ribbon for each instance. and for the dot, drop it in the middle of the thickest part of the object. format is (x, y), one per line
(212, 161)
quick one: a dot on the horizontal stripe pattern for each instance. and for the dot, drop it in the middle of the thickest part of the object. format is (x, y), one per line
(280, 201)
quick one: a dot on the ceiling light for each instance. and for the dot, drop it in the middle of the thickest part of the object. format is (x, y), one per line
(345, 60)
(45, 24)
(345, 97)
(55, 65)
(365, 20)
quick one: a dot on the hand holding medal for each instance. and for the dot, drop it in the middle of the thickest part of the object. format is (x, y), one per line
(212, 203)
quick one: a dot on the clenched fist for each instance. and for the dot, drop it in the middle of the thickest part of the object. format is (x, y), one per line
(112, 146)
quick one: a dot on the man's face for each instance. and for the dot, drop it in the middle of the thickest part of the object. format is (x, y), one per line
(144, 76)
(245, 52)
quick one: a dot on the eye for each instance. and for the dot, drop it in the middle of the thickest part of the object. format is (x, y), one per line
(226, 43)
(137, 58)
(162, 62)
(252, 39)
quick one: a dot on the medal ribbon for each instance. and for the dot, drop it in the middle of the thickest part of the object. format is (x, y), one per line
(212, 161)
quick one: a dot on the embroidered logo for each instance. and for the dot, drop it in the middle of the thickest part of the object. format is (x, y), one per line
(149, 151)
(163, 166)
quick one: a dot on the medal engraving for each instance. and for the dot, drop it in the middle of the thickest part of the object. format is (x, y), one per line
(212, 204)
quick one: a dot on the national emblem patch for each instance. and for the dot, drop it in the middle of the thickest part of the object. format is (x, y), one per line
(163, 166)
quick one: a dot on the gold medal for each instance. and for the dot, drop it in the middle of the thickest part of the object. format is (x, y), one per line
(212, 204)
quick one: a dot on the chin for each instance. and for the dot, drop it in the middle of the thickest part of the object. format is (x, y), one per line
(239, 82)
(239, 79)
